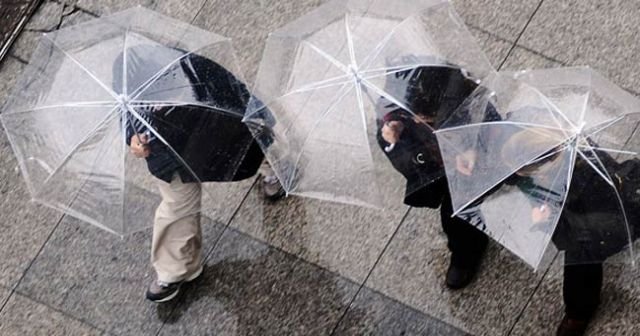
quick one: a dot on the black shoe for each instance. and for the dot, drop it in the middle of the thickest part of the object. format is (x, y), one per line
(160, 291)
(572, 327)
(461, 272)
(272, 188)
(459, 277)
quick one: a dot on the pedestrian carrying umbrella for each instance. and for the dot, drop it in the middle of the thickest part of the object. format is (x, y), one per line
(560, 164)
(329, 80)
(92, 88)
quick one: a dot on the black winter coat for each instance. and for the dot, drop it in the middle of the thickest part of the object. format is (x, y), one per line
(216, 146)
(434, 92)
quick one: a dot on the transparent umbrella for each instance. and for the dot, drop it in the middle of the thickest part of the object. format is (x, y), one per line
(329, 82)
(560, 164)
(92, 89)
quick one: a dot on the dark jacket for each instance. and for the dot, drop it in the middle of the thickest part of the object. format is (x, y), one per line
(435, 92)
(592, 226)
(215, 145)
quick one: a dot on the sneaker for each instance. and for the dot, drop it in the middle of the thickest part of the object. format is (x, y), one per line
(572, 327)
(272, 188)
(160, 291)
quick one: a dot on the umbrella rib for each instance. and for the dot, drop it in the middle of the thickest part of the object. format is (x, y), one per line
(620, 202)
(553, 107)
(162, 103)
(75, 148)
(337, 94)
(323, 84)
(500, 180)
(404, 67)
(395, 69)
(81, 104)
(609, 150)
(328, 57)
(603, 125)
(362, 112)
(144, 86)
(106, 88)
(586, 103)
(352, 52)
(313, 128)
(164, 141)
(604, 177)
(124, 63)
(378, 48)
(501, 122)
(391, 99)
(348, 78)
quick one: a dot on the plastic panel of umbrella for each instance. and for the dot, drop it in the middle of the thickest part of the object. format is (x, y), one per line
(90, 88)
(545, 156)
(354, 88)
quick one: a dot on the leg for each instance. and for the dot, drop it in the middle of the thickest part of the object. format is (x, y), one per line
(466, 243)
(581, 293)
(581, 290)
(271, 186)
(176, 251)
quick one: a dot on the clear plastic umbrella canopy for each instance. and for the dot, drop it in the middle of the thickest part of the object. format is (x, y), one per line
(90, 87)
(328, 80)
(558, 163)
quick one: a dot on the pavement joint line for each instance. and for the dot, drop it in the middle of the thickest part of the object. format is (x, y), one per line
(60, 311)
(520, 46)
(515, 44)
(227, 225)
(24, 273)
(526, 25)
(77, 8)
(530, 299)
(17, 58)
(380, 255)
(198, 12)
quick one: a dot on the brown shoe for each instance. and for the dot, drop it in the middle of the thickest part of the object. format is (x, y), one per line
(572, 327)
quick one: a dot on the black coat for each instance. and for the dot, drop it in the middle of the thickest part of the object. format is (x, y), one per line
(435, 92)
(216, 146)
(592, 227)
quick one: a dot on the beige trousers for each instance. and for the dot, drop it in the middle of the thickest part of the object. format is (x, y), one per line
(176, 250)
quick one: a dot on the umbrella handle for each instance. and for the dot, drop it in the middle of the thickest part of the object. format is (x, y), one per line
(389, 148)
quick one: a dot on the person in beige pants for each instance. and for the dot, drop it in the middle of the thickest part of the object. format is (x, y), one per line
(176, 249)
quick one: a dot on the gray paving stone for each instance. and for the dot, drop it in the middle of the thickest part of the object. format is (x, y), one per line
(250, 288)
(413, 270)
(50, 16)
(505, 18)
(105, 7)
(4, 295)
(375, 314)
(23, 316)
(180, 10)
(99, 278)
(344, 239)
(248, 23)
(25, 226)
(496, 49)
(601, 34)
(617, 314)
(10, 70)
